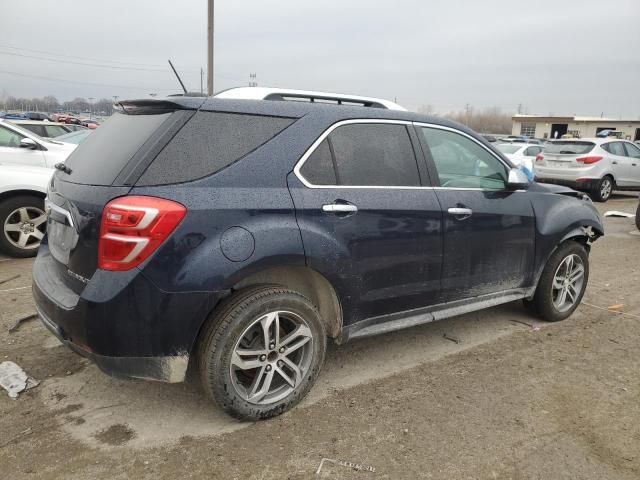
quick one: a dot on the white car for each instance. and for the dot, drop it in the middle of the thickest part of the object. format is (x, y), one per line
(22, 212)
(520, 152)
(597, 165)
(22, 147)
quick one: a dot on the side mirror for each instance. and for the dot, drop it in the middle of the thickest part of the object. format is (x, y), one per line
(517, 180)
(29, 143)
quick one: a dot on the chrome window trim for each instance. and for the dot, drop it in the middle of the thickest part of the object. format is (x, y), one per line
(327, 132)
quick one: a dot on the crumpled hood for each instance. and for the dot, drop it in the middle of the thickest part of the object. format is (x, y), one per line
(558, 189)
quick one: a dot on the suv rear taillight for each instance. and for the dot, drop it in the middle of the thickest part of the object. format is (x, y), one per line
(539, 157)
(589, 160)
(133, 227)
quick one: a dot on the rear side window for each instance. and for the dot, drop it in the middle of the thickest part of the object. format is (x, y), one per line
(99, 159)
(569, 148)
(378, 155)
(37, 129)
(209, 142)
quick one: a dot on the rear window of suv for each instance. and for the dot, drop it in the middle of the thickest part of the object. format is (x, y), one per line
(209, 142)
(99, 159)
(569, 148)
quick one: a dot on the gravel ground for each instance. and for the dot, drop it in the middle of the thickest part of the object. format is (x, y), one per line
(508, 402)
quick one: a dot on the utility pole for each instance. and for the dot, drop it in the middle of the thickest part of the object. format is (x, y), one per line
(210, 48)
(519, 108)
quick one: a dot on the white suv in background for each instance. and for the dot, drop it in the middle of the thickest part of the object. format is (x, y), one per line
(596, 165)
(21, 147)
(22, 212)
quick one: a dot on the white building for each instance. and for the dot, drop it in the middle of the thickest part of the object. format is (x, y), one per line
(539, 126)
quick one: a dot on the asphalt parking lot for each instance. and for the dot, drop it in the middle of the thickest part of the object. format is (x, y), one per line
(492, 394)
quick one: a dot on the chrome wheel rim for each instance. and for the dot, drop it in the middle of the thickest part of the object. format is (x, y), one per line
(271, 358)
(605, 188)
(25, 227)
(567, 283)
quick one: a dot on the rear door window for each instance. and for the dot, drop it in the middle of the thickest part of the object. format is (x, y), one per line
(99, 159)
(616, 148)
(319, 167)
(374, 155)
(209, 142)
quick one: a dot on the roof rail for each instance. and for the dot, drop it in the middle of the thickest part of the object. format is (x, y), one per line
(283, 94)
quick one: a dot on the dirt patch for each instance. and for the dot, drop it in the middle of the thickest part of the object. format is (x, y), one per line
(115, 435)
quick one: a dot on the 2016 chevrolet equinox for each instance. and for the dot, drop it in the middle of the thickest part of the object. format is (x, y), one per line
(238, 234)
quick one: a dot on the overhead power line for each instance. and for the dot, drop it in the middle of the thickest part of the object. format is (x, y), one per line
(62, 80)
(93, 59)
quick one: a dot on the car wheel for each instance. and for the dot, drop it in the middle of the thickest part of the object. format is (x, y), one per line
(603, 189)
(262, 352)
(562, 284)
(638, 217)
(23, 225)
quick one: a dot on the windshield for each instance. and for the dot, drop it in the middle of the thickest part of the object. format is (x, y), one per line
(569, 148)
(509, 148)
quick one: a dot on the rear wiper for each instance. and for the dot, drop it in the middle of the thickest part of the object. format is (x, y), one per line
(63, 168)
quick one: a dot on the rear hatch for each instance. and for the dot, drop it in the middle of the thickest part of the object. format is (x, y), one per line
(565, 154)
(102, 168)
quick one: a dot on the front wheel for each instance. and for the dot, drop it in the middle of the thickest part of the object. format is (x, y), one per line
(603, 189)
(638, 217)
(262, 352)
(562, 284)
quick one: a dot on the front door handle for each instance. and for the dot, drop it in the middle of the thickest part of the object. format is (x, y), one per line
(460, 212)
(339, 208)
(614, 162)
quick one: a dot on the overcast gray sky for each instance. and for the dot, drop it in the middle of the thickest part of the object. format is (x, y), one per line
(551, 56)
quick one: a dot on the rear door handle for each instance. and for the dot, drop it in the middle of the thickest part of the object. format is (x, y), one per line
(460, 212)
(339, 208)
(614, 162)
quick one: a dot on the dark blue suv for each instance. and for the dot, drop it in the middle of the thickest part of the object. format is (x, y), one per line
(237, 235)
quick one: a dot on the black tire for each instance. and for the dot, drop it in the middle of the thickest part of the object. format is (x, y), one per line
(8, 240)
(600, 193)
(638, 217)
(228, 326)
(542, 304)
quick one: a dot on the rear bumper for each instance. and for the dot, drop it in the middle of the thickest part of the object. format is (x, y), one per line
(587, 184)
(121, 320)
(170, 369)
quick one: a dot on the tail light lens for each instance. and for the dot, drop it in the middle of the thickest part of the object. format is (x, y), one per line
(539, 157)
(133, 227)
(589, 160)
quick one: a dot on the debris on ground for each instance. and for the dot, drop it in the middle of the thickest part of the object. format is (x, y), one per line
(533, 327)
(14, 379)
(9, 279)
(450, 338)
(616, 307)
(20, 321)
(354, 466)
(615, 213)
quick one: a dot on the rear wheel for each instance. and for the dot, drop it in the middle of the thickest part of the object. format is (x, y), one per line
(638, 217)
(603, 189)
(562, 284)
(262, 352)
(23, 225)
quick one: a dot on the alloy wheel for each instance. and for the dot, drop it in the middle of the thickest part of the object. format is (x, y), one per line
(567, 283)
(25, 227)
(272, 357)
(605, 188)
